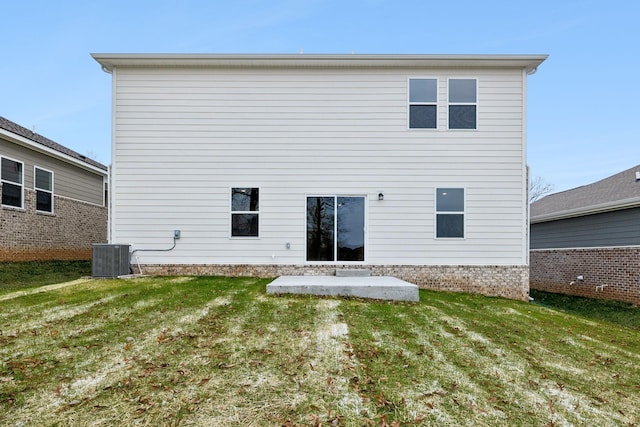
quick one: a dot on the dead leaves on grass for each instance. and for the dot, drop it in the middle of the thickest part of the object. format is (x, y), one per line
(214, 352)
(315, 420)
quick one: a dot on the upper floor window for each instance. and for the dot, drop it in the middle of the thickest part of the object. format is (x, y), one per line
(245, 212)
(462, 103)
(449, 212)
(12, 178)
(44, 190)
(423, 103)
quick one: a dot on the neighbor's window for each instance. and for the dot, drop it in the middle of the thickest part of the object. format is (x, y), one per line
(449, 212)
(12, 179)
(44, 190)
(423, 103)
(462, 103)
(245, 212)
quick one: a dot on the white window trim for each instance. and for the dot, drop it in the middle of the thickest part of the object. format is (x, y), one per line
(13, 183)
(462, 103)
(35, 168)
(409, 103)
(232, 212)
(463, 213)
(335, 231)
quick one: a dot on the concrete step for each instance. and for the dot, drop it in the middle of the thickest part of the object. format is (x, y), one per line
(374, 287)
(353, 272)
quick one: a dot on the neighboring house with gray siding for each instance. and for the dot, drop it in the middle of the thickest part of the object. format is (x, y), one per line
(592, 232)
(52, 198)
(412, 166)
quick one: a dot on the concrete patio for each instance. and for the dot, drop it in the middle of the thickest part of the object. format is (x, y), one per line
(374, 287)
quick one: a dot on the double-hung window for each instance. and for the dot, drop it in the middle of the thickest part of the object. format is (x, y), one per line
(245, 212)
(450, 213)
(423, 103)
(463, 103)
(12, 178)
(44, 190)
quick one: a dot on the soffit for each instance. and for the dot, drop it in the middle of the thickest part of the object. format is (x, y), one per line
(110, 61)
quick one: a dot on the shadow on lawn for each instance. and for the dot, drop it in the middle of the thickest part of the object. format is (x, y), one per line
(620, 313)
(20, 275)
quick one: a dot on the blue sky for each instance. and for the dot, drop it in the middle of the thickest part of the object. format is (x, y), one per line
(583, 103)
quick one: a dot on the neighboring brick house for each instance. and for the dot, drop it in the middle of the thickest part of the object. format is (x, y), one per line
(412, 166)
(53, 199)
(586, 241)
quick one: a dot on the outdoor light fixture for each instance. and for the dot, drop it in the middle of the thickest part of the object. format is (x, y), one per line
(380, 196)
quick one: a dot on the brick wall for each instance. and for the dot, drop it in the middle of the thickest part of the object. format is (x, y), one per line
(504, 281)
(67, 234)
(609, 273)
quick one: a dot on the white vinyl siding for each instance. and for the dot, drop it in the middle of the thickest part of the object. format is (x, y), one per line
(184, 136)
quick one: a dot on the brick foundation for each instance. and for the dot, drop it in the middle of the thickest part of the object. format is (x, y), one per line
(67, 234)
(609, 273)
(504, 281)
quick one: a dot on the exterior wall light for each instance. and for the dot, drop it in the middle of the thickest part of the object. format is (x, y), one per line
(380, 196)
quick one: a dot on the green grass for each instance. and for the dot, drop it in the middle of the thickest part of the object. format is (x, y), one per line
(620, 313)
(219, 351)
(22, 275)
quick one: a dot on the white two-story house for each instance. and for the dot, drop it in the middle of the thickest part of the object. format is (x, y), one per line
(412, 166)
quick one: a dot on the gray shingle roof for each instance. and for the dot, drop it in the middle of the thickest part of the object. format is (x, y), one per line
(615, 192)
(37, 138)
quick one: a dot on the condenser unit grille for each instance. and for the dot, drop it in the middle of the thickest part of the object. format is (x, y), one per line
(110, 260)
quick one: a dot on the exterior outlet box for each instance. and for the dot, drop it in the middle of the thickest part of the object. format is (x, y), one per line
(176, 234)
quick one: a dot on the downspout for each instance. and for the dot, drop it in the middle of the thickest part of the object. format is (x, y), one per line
(525, 179)
(108, 202)
(110, 179)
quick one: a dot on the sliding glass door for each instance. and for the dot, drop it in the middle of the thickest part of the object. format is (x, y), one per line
(350, 225)
(335, 228)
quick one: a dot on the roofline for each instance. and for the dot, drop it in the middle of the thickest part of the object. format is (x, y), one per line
(110, 61)
(34, 145)
(588, 210)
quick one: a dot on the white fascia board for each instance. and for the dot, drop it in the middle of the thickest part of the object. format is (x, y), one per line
(109, 61)
(588, 210)
(26, 142)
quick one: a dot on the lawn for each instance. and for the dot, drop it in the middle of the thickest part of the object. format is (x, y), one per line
(217, 351)
(23, 275)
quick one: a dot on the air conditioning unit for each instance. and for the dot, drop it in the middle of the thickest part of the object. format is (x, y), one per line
(110, 260)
